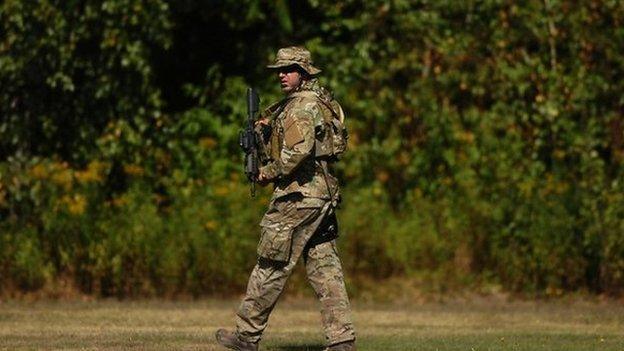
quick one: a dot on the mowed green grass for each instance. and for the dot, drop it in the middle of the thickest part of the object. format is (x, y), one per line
(295, 325)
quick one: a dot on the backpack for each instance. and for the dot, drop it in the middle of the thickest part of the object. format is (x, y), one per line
(331, 141)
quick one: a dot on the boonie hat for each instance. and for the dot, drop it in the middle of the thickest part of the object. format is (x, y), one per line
(295, 55)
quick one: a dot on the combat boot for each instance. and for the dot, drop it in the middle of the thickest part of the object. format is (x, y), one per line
(343, 346)
(231, 341)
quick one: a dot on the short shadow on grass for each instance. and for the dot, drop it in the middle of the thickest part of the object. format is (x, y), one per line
(313, 347)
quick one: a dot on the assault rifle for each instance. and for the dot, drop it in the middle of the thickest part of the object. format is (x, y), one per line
(248, 140)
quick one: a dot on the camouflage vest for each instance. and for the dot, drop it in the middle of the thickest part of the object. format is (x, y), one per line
(330, 138)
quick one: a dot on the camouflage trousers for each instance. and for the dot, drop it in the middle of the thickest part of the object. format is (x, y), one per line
(301, 219)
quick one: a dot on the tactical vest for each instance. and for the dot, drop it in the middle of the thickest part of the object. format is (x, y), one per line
(330, 140)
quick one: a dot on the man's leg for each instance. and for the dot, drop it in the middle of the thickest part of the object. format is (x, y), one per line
(266, 284)
(268, 278)
(326, 277)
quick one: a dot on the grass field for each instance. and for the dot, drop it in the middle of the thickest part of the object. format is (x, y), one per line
(295, 325)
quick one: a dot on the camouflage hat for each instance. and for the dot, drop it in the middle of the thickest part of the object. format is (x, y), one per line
(295, 55)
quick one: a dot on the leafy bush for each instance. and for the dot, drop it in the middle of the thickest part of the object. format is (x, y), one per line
(486, 141)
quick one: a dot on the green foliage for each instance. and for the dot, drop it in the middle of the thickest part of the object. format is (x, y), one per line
(70, 68)
(486, 140)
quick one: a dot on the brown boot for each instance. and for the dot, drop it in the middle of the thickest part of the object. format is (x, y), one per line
(231, 341)
(343, 346)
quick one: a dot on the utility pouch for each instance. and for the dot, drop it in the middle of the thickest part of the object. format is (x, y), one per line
(275, 243)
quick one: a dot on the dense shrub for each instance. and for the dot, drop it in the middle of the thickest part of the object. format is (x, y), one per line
(486, 141)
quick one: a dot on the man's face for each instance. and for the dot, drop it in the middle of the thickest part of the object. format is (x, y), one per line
(290, 78)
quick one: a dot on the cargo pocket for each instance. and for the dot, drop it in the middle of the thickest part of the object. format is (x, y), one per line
(275, 238)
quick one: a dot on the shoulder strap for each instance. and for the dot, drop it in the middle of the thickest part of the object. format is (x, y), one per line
(273, 108)
(276, 107)
(308, 93)
(304, 93)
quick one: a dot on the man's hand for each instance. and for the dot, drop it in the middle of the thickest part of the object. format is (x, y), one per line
(262, 179)
(262, 121)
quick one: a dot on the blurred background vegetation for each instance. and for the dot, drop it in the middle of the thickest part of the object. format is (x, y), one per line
(486, 147)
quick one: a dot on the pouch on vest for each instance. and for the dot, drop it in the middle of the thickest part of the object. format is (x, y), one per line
(331, 138)
(331, 142)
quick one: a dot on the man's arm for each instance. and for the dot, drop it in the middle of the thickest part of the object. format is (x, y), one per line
(297, 145)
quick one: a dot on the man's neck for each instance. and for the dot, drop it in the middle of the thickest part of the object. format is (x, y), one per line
(308, 84)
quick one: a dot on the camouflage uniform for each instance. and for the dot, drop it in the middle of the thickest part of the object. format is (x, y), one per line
(300, 221)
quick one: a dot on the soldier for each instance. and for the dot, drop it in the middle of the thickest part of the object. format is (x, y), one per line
(306, 134)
